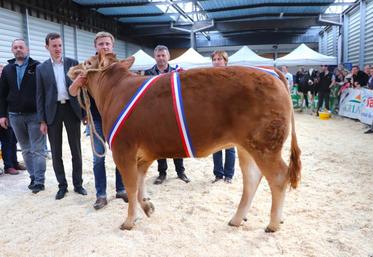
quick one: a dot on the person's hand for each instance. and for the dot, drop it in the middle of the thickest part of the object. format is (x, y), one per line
(80, 81)
(43, 128)
(4, 122)
(85, 120)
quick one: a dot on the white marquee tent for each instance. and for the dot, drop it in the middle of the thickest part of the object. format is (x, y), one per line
(303, 55)
(246, 57)
(191, 59)
(143, 61)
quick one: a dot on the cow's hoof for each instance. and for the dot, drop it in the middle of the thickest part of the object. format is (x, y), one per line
(232, 223)
(270, 230)
(127, 226)
(149, 208)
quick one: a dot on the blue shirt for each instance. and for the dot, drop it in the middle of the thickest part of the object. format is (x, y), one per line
(21, 71)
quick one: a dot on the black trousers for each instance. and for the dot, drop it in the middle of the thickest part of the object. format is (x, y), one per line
(179, 166)
(323, 96)
(66, 116)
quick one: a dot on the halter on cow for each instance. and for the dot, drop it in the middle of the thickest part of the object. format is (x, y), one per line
(224, 106)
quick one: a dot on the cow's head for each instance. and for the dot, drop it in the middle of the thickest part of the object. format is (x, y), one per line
(96, 65)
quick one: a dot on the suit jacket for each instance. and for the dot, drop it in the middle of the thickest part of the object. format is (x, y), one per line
(46, 91)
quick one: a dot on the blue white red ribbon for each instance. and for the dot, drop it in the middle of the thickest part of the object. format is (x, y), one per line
(128, 109)
(267, 70)
(180, 115)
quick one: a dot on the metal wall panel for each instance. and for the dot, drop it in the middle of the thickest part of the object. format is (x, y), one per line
(38, 30)
(354, 37)
(85, 44)
(330, 42)
(368, 50)
(120, 49)
(11, 27)
(131, 49)
(69, 42)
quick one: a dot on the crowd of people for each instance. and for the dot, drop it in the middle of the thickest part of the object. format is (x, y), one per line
(35, 104)
(326, 83)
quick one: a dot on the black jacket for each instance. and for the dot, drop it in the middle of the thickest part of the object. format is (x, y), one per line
(154, 70)
(21, 100)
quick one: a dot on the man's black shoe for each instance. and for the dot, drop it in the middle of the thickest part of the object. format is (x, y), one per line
(183, 177)
(61, 193)
(32, 185)
(80, 190)
(369, 131)
(37, 188)
(161, 178)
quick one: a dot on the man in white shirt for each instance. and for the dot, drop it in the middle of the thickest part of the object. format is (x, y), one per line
(56, 108)
(289, 77)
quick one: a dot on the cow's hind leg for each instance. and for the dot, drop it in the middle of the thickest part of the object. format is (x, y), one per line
(251, 177)
(144, 201)
(276, 172)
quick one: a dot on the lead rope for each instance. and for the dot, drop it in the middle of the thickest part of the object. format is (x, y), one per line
(85, 103)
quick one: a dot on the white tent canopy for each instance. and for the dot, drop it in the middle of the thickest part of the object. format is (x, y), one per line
(303, 55)
(191, 59)
(143, 61)
(246, 57)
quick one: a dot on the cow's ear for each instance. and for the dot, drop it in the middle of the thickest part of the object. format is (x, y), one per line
(101, 58)
(127, 63)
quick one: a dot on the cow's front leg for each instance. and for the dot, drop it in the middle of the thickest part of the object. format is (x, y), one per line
(128, 170)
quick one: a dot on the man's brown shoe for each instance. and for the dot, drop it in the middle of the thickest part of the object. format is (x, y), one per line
(20, 166)
(122, 195)
(11, 171)
(100, 203)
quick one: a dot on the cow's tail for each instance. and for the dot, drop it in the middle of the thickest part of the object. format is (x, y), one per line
(295, 164)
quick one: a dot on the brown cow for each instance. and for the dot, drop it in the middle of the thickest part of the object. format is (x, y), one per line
(224, 106)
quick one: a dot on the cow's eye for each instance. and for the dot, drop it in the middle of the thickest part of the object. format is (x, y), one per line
(89, 63)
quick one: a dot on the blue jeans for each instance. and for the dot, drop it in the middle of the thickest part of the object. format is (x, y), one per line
(26, 127)
(99, 166)
(230, 158)
(8, 148)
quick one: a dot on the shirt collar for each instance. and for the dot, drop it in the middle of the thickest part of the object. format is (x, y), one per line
(53, 62)
(25, 62)
(165, 71)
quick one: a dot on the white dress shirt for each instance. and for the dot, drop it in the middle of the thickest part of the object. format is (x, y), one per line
(59, 74)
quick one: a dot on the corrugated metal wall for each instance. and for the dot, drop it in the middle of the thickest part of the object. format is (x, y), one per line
(368, 50)
(78, 44)
(69, 42)
(353, 37)
(38, 29)
(330, 44)
(11, 27)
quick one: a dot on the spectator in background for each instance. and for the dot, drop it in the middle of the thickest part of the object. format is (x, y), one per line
(18, 102)
(162, 56)
(367, 69)
(370, 86)
(1, 69)
(220, 59)
(359, 78)
(326, 81)
(301, 81)
(288, 76)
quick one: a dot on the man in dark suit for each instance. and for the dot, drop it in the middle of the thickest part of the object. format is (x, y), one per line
(56, 107)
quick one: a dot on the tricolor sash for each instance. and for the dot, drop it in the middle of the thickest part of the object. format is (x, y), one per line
(128, 109)
(180, 116)
(269, 71)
